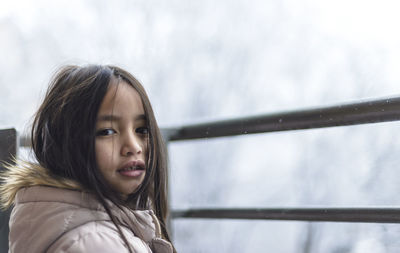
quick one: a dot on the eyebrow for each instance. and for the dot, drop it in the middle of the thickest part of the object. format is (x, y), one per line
(110, 117)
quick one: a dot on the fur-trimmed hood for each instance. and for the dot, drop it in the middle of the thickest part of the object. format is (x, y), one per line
(23, 174)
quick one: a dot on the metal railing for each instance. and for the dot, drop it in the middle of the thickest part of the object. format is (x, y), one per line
(361, 112)
(8, 149)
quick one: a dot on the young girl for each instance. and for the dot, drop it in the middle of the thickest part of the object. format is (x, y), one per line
(100, 181)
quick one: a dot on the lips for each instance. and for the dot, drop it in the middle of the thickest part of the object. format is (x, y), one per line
(132, 168)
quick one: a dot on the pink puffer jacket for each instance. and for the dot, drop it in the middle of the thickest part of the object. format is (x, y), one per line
(51, 215)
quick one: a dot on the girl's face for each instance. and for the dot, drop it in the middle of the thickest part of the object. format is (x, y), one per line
(121, 138)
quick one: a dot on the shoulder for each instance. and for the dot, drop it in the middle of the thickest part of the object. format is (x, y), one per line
(99, 236)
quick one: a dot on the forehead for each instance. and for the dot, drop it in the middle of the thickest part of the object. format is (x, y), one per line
(121, 98)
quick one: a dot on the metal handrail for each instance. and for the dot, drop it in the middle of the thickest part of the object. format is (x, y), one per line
(355, 214)
(368, 111)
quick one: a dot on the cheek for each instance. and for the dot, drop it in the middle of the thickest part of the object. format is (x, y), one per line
(104, 153)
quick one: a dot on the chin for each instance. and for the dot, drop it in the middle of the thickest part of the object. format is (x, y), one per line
(129, 192)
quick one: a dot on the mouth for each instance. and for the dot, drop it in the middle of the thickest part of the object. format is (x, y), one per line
(132, 169)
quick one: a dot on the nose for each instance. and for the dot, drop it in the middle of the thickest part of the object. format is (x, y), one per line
(131, 145)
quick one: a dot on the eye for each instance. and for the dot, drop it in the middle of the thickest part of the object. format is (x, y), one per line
(142, 130)
(105, 132)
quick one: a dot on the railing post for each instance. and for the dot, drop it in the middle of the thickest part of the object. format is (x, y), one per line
(8, 150)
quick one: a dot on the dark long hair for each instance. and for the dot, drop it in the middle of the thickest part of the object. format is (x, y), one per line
(63, 138)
